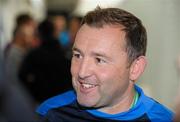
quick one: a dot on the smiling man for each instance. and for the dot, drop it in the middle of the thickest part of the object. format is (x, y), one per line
(108, 57)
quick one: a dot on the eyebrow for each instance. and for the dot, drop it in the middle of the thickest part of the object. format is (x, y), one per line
(76, 49)
(99, 54)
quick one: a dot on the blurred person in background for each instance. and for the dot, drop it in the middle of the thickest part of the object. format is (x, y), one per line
(65, 31)
(22, 42)
(73, 27)
(61, 31)
(45, 70)
(108, 58)
(26, 22)
(60, 24)
(15, 103)
(59, 21)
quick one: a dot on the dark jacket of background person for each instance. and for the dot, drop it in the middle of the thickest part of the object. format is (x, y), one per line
(45, 70)
(15, 104)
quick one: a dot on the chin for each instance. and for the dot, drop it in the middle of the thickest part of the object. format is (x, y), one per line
(86, 103)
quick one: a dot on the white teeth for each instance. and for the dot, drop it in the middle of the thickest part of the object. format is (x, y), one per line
(87, 85)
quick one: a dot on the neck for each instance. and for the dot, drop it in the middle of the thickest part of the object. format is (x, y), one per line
(124, 104)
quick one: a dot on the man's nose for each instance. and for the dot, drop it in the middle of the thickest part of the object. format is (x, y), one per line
(85, 68)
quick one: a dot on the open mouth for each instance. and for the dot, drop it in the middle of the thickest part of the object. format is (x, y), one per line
(87, 87)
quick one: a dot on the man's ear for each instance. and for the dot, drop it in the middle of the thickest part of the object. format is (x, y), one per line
(137, 67)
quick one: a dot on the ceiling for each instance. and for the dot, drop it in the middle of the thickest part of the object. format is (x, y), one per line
(79, 7)
(61, 5)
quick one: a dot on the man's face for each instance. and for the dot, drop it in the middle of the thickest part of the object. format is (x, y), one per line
(99, 66)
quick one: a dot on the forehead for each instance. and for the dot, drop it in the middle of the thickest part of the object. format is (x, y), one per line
(107, 37)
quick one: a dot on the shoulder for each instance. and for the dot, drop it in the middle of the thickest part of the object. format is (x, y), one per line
(154, 110)
(159, 112)
(55, 102)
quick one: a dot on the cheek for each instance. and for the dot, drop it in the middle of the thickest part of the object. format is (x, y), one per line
(109, 74)
(74, 68)
(112, 78)
(106, 77)
(74, 73)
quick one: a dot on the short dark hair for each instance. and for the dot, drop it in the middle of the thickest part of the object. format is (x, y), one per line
(23, 19)
(136, 37)
(46, 30)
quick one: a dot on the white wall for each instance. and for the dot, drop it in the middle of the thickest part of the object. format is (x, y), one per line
(162, 20)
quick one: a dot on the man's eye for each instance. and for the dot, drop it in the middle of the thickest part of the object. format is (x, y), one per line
(99, 60)
(77, 55)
